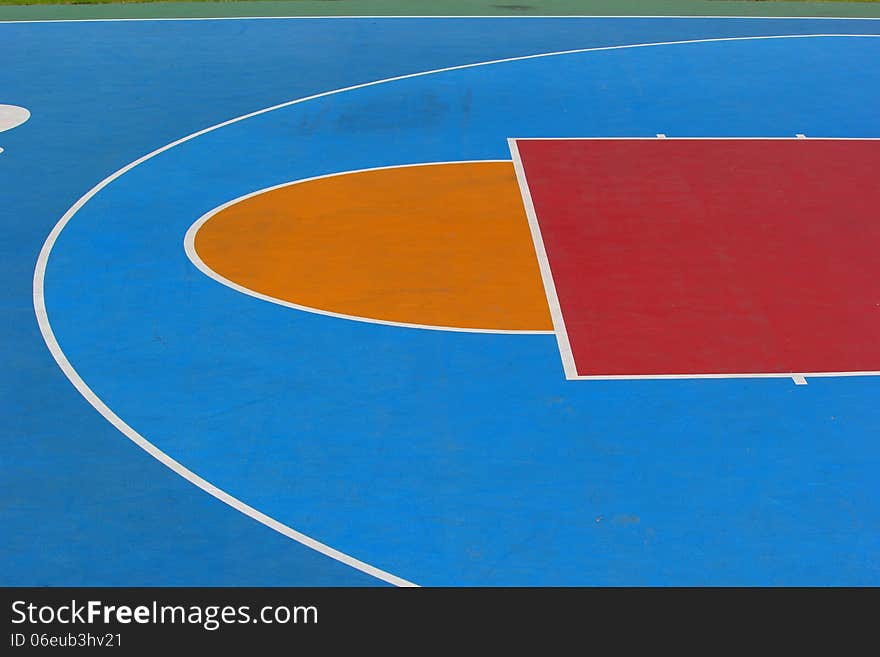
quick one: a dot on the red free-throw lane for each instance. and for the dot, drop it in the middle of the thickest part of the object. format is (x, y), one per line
(674, 256)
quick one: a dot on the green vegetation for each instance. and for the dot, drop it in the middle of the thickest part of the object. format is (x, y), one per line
(307, 5)
(57, 9)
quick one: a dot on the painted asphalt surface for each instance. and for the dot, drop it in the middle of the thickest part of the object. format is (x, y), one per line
(441, 458)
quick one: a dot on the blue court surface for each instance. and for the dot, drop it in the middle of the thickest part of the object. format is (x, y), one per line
(164, 429)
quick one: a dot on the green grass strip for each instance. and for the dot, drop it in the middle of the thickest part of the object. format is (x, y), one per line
(66, 9)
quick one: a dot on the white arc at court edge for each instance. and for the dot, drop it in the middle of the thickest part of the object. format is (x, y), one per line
(12, 116)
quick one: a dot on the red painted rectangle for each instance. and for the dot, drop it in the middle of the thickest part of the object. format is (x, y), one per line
(711, 256)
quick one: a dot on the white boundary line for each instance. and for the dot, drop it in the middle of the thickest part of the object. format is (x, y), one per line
(668, 138)
(386, 17)
(568, 362)
(88, 394)
(192, 254)
(746, 375)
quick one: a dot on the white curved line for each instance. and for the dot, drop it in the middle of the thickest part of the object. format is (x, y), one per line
(87, 393)
(190, 248)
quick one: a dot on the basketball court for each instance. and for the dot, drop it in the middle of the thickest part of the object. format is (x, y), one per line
(452, 301)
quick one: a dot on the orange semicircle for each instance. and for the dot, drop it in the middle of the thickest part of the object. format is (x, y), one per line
(444, 245)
